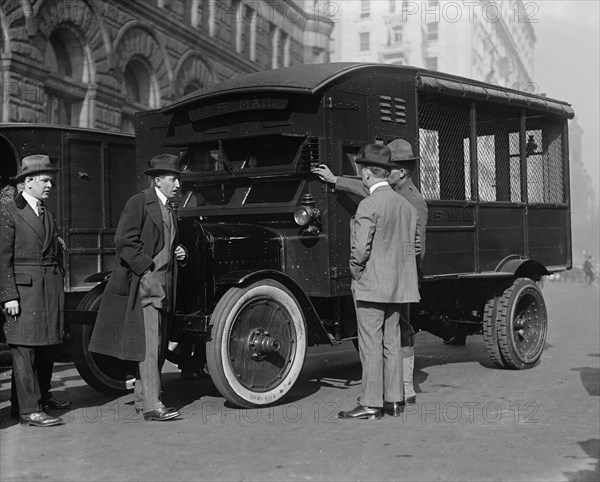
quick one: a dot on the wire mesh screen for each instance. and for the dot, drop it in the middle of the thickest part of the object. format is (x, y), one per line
(515, 166)
(498, 166)
(443, 125)
(545, 175)
(430, 163)
(445, 150)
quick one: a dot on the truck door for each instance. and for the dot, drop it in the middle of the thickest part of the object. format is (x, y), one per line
(99, 177)
(347, 118)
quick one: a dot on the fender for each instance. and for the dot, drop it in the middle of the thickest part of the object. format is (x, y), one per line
(522, 267)
(317, 334)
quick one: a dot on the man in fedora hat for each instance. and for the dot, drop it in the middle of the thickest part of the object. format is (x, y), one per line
(140, 294)
(382, 280)
(31, 290)
(401, 181)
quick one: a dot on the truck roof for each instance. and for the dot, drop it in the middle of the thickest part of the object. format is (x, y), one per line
(310, 78)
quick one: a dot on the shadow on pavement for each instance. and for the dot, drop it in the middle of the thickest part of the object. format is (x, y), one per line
(590, 379)
(592, 449)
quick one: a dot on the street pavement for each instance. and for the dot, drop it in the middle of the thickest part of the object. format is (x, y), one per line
(471, 422)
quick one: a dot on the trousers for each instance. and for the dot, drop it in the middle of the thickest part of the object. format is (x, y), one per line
(379, 336)
(147, 387)
(31, 375)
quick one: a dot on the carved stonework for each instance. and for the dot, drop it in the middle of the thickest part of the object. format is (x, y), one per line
(101, 36)
(138, 42)
(192, 71)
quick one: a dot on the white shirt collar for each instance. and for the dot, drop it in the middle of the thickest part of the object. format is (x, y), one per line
(379, 184)
(161, 196)
(33, 202)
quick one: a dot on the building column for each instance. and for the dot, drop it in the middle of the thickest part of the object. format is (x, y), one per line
(6, 87)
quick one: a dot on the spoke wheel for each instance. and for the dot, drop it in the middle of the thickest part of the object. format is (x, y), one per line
(104, 373)
(258, 344)
(522, 324)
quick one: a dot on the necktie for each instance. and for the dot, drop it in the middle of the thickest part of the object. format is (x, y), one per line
(169, 220)
(42, 215)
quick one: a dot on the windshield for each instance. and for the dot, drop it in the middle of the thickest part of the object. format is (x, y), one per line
(233, 155)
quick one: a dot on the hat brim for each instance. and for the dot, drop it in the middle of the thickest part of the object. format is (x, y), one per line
(22, 176)
(373, 163)
(155, 171)
(410, 159)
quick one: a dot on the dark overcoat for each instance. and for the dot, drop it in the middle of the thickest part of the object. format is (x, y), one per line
(119, 328)
(32, 272)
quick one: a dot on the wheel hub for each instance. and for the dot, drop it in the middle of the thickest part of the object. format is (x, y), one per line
(260, 344)
(527, 326)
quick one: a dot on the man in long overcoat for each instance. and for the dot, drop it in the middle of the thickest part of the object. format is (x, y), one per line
(382, 280)
(140, 293)
(31, 289)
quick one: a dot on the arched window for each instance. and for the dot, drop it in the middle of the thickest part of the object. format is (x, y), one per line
(141, 92)
(66, 87)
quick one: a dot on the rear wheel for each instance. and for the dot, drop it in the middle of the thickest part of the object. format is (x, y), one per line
(104, 373)
(258, 343)
(522, 324)
(490, 332)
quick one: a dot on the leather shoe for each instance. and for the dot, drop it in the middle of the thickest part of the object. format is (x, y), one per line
(393, 409)
(53, 403)
(161, 414)
(361, 412)
(40, 419)
(455, 341)
(411, 400)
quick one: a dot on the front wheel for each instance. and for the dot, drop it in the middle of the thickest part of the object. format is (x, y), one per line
(104, 373)
(521, 324)
(258, 344)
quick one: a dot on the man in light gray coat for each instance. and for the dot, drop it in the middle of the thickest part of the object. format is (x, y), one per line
(400, 180)
(382, 280)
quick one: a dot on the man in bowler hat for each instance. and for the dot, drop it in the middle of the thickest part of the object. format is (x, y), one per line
(382, 280)
(31, 290)
(400, 180)
(140, 293)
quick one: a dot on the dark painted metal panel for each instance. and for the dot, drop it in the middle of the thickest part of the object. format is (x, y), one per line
(549, 239)
(501, 234)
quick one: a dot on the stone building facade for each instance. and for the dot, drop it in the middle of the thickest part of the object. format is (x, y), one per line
(94, 63)
(492, 41)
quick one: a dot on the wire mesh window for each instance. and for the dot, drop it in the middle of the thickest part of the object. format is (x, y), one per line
(443, 128)
(515, 166)
(445, 150)
(498, 163)
(545, 174)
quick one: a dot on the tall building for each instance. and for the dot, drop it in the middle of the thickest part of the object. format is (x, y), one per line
(94, 63)
(584, 204)
(491, 41)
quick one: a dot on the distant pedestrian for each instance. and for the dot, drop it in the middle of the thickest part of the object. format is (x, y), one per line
(588, 270)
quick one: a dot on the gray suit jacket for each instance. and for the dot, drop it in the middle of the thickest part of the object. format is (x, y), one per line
(409, 191)
(381, 274)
